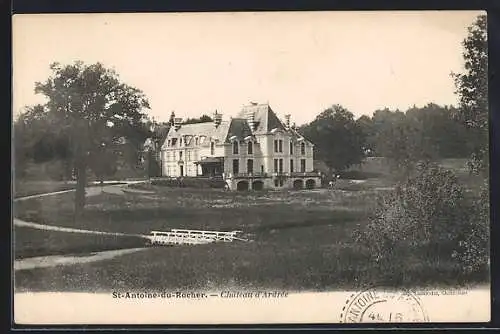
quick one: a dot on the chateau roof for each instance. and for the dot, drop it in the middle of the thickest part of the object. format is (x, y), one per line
(265, 120)
(239, 127)
(205, 129)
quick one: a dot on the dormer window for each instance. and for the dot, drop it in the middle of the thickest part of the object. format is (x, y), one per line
(235, 147)
(174, 141)
(250, 147)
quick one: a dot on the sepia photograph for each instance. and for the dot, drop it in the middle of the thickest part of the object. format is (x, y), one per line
(250, 168)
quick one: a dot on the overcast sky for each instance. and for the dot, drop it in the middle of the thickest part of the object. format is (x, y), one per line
(299, 62)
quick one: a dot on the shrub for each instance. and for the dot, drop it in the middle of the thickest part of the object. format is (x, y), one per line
(473, 249)
(428, 219)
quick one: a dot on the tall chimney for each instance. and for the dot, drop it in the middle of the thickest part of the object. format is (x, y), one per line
(217, 118)
(287, 121)
(177, 123)
(171, 119)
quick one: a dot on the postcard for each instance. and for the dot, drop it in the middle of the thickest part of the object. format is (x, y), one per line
(250, 168)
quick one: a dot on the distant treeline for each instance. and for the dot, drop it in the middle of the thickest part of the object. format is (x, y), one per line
(432, 131)
(427, 133)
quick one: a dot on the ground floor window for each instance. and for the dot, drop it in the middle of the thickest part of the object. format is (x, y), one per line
(276, 183)
(303, 165)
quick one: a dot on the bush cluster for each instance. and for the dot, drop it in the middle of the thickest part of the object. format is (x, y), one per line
(429, 219)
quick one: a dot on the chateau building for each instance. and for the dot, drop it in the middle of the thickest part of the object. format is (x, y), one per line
(252, 151)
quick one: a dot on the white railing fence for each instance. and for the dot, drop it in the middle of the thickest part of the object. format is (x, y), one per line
(192, 237)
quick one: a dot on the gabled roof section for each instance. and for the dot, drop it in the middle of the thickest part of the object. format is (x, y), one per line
(207, 129)
(265, 118)
(239, 128)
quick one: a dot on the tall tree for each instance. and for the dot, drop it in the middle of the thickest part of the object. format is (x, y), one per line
(472, 89)
(34, 140)
(337, 137)
(90, 108)
(442, 135)
(383, 121)
(365, 124)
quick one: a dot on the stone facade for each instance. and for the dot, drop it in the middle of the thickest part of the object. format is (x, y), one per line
(254, 150)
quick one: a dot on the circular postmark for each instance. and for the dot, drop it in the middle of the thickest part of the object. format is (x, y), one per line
(377, 305)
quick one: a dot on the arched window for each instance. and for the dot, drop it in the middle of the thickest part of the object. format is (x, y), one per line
(235, 147)
(212, 148)
(250, 147)
(302, 148)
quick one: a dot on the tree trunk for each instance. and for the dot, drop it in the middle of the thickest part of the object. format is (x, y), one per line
(81, 182)
(68, 170)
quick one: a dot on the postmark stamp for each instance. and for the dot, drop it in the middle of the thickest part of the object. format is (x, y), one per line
(385, 306)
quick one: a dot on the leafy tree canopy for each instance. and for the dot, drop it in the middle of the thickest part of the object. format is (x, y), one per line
(202, 119)
(92, 112)
(472, 90)
(337, 137)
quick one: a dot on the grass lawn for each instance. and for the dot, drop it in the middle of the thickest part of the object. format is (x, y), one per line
(300, 240)
(315, 259)
(27, 188)
(30, 242)
(199, 209)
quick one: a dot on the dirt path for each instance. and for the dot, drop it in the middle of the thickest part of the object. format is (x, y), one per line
(56, 260)
(22, 223)
(43, 195)
(62, 260)
(89, 191)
